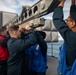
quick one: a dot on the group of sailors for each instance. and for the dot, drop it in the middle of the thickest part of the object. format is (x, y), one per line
(25, 51)
(22, 51)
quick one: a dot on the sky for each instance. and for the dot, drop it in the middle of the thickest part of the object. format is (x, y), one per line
(15, 6)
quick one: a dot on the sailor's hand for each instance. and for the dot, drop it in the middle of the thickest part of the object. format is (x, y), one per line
(20, 28)
(73, 2)
(62, 3)
(27, 27)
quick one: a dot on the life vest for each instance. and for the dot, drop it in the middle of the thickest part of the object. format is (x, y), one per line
(37, 62)
(4, 53)
(63, 69)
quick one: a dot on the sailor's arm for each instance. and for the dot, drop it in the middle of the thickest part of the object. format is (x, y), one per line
(62, 3)
(59, 22)
(73, 7)
(28, 42)
(72, 2)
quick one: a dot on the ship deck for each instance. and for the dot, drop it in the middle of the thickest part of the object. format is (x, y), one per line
(52, 66)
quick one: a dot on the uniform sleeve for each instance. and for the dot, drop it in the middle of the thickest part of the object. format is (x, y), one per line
(62, 27)
(59, 22)
(72, 9)
(3, 42)
(26, 43)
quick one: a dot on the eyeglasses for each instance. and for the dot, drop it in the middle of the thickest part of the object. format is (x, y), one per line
(66, 20)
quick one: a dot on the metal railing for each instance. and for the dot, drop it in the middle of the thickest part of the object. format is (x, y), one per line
(53, 48)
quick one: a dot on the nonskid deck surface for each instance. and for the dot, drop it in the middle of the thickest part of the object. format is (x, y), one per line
(52, 66)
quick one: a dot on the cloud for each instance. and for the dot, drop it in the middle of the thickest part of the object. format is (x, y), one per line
(15, 6)
(4, 8)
